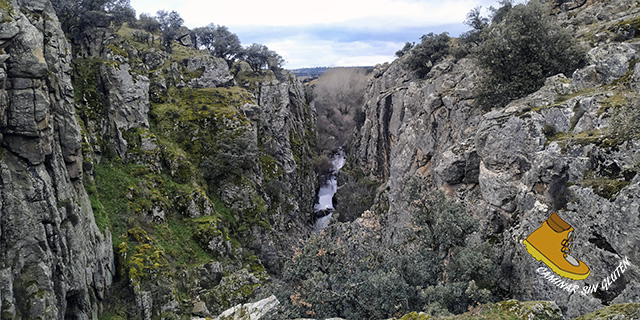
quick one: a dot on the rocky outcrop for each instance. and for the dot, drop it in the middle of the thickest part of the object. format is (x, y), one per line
(249, 311)
(223, 170)
(127, 99)
(551, 151)
(54, 262)
(285, 125)
(616, 311)
(211, 72)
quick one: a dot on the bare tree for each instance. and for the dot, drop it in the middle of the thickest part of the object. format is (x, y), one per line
(339, 96)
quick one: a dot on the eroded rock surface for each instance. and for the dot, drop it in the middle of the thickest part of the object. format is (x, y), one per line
(547, 152)
(54, 262)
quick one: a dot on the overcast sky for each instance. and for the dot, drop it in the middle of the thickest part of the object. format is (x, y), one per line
(328, 32)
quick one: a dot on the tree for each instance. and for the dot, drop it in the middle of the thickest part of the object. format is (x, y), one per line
(339, 97)
(258, 56)
(254, 56)
(472, 38)
(274, 62)
(520, 51)
(77, 16)
(121, 11)
(497, 15)
(219, 41)
(170, 23)
(407, 47)
(475, 20)
(149, 24)
(431, 50)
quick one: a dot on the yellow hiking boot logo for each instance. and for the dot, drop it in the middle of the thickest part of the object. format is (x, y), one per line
(551, 244)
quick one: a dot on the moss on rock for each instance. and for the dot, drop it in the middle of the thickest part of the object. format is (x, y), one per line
(616, 311)
(510, 309)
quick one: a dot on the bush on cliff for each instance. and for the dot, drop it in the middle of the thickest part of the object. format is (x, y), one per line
(353, 272)
(78, 16)
(427, 53)
(519, 51)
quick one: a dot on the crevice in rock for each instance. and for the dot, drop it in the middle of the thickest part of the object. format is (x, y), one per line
(558, 192)
(75, 305)
(616, 288)
(384, 142)
(601, 242)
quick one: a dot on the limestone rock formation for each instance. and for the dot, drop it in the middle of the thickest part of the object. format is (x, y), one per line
(54, 262)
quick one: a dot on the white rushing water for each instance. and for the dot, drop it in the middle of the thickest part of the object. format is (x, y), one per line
(328, 189)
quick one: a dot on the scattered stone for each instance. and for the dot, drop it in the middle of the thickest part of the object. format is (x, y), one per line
(200, 309)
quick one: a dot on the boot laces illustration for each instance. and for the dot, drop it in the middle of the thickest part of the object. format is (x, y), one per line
(552, 244)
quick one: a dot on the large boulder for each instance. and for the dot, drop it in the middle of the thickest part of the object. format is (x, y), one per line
(210, 72)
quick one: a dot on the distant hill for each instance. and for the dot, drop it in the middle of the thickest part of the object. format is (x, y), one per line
(309, 72)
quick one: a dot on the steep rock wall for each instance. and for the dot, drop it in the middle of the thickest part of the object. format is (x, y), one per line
(54, 262)
(550, 151)
(286, 127)
(213, 165)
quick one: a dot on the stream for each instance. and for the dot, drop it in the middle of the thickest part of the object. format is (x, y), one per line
(324, 209)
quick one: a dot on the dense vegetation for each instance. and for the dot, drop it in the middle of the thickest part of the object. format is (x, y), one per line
(79, 17)
(196, 185)
(430, 51)
(339, 97)
(351, 271)
(517, 48)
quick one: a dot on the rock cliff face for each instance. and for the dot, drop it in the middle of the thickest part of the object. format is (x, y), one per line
(213, 166)
(550, 151)
(54, 262)
(203, 173)
(199, 176)
(286, 127)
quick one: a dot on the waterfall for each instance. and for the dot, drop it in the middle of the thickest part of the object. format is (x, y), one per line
(324, 208)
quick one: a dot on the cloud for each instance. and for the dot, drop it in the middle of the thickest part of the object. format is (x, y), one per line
(304, 51)
(329, 32)
(308, 47)
(353, 14)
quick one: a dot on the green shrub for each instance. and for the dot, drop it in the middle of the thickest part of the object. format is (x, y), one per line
(357, 193)
(407, 47)
(519, 51)
(433, 48)
(352, 272)
(472, 38)
(548, 130)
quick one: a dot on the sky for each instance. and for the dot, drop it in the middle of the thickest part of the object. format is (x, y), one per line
(327, 33)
